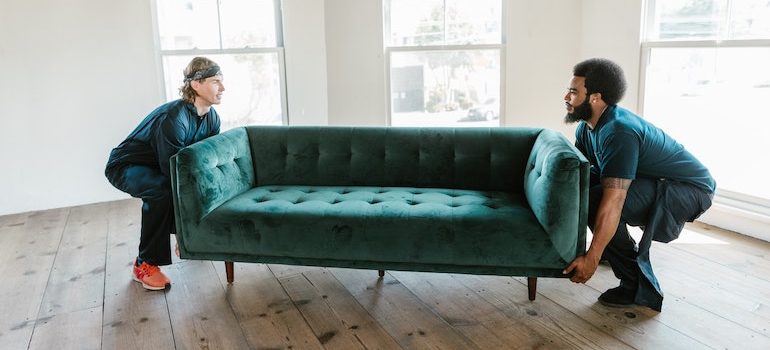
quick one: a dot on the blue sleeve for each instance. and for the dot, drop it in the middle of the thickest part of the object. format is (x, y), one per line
(619, 156)
(169, 139)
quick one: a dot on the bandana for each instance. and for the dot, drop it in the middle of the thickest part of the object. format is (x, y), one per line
(203, 74)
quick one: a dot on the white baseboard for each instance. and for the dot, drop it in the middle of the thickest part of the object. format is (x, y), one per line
(745, 218)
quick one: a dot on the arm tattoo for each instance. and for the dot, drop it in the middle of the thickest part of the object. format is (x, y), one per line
(616, 182)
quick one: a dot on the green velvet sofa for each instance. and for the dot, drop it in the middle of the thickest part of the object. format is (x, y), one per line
(500, 201)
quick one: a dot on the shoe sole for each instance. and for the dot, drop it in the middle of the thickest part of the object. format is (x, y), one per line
(608, 304)
(147, 286)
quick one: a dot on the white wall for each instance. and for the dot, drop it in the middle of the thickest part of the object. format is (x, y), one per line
(543, 41)
(355, 62)
(304, 33)
(77, 76)
(612, 29)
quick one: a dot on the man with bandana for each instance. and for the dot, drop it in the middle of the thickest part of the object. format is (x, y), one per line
(140, 166)
(640, 176)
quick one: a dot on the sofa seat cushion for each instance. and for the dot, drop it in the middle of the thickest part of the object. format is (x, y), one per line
(404, 225)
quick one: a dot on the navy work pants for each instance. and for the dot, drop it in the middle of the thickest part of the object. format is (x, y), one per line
(660, 207)
(154, 189)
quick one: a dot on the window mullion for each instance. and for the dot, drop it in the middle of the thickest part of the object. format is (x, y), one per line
(446, 47)
(725, 32)
(219, 24)
(707, 43)
(445, 26)
(204, 52)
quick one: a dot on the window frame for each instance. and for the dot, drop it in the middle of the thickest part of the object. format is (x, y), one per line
(744, 202)
(389, 50)
(278, 50)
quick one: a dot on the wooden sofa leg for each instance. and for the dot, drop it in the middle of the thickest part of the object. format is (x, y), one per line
(381, 273)
(229, 271)
(532, 286)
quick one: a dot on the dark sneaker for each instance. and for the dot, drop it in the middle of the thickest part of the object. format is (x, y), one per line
(617, 297)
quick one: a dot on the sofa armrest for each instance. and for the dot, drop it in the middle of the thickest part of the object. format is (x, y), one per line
(208, 173)
(556, 187)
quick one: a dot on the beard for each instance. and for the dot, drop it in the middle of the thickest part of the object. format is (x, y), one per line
(581, 112)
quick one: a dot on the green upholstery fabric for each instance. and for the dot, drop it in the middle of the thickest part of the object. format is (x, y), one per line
(474, 158)
(553, 188)
(472, 200)
(206, 174)
(405, 225)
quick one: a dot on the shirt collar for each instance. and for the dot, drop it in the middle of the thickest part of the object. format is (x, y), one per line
(194, 111)
(605, 117)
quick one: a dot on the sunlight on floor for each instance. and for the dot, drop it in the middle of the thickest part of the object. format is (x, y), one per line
(687, 237)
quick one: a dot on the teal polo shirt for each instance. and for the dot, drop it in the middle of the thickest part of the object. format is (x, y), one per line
(624, 145)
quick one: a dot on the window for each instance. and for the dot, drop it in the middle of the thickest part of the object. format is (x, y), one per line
(445, 62)
(244, 38)
(707, 83)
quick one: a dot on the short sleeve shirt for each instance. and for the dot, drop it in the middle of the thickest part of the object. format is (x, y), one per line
(624, 145)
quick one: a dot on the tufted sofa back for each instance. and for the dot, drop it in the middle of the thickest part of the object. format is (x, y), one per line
(477, 158)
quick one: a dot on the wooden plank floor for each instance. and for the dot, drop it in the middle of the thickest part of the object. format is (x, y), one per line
(67, 285)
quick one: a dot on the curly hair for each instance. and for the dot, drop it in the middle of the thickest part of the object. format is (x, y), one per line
(602, 76)
(197, 64)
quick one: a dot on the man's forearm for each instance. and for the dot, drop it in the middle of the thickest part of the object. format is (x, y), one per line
(607, 215)
(604, 229)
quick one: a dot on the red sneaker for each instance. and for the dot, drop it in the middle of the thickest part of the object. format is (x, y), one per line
(150, 276)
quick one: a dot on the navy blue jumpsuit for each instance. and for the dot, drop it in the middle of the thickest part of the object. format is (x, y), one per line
(670, 187)
(139, 166)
